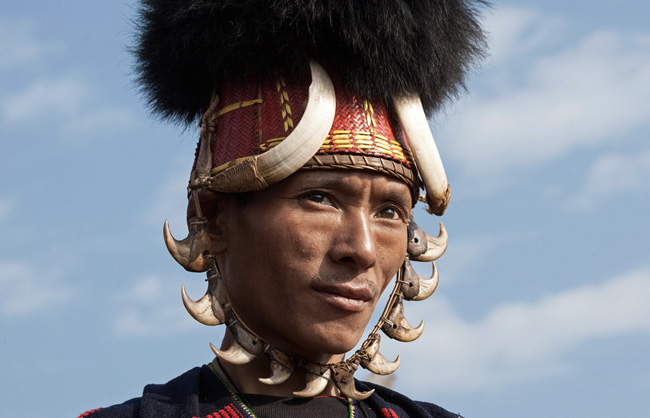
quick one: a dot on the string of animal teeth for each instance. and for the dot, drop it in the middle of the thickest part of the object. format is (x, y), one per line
(214, 308)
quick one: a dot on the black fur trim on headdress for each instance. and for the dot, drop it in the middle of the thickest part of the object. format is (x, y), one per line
(185, 48)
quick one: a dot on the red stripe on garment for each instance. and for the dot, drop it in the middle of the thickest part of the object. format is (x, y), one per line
(388, 413)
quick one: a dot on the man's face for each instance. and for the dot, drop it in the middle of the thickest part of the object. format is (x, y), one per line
(306, 260)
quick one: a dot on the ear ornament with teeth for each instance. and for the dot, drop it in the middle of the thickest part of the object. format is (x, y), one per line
(436, 246)
(416, 287)
(193, 252)
(398, 328)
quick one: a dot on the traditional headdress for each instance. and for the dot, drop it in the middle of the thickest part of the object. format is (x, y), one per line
(287, 85)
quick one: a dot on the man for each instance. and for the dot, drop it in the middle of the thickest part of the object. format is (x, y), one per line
(314, 146)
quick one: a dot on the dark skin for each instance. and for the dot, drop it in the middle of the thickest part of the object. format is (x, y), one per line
(305, 262)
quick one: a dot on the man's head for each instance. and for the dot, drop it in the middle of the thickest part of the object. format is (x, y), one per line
(305, 260)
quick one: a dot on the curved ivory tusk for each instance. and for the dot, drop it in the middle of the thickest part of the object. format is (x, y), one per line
(192, 252)
(427, 158)
(235, 354)
(278, 163)
(316, 381)
(428, 286)
(200, 310)
(398, 327)
(378, 364)
(436, 247)
(308, 136)
(281, 367)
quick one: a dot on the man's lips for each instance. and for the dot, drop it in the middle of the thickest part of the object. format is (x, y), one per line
(346, 296)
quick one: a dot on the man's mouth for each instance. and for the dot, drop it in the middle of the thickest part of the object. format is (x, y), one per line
(346, 296)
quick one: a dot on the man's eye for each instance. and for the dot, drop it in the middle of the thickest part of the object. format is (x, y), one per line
(390, 213)
(317, 197)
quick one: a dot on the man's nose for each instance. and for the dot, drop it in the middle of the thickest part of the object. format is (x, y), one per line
(355, 241)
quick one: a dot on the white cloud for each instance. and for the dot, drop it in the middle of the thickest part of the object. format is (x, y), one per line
(462, 256)
(515, 31)
(99, 120)
(25, 290)
(147, 289)
(150, 309)
(518, 342)
(19, 44)
(468, 251)
(44, 99)
(67, 103)
(555, 102)
(161, 321)
(611, 175)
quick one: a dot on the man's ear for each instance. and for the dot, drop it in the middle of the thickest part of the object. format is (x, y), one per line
(217, 211)
(214, 207)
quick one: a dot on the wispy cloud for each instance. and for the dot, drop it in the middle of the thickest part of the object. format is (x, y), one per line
(19, 44)
(461, 257)
(67, 103)
(518, 342)
(466, 252)
(610, 176)
(44, 99)
(25, 290)
(101, 119)
(514, 32)
(593, 90)
(149, 309)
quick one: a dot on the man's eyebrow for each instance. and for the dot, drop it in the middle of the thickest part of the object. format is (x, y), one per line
(399, 197)
(318, 181)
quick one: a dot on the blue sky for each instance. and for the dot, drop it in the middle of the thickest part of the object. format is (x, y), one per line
(544, 303)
